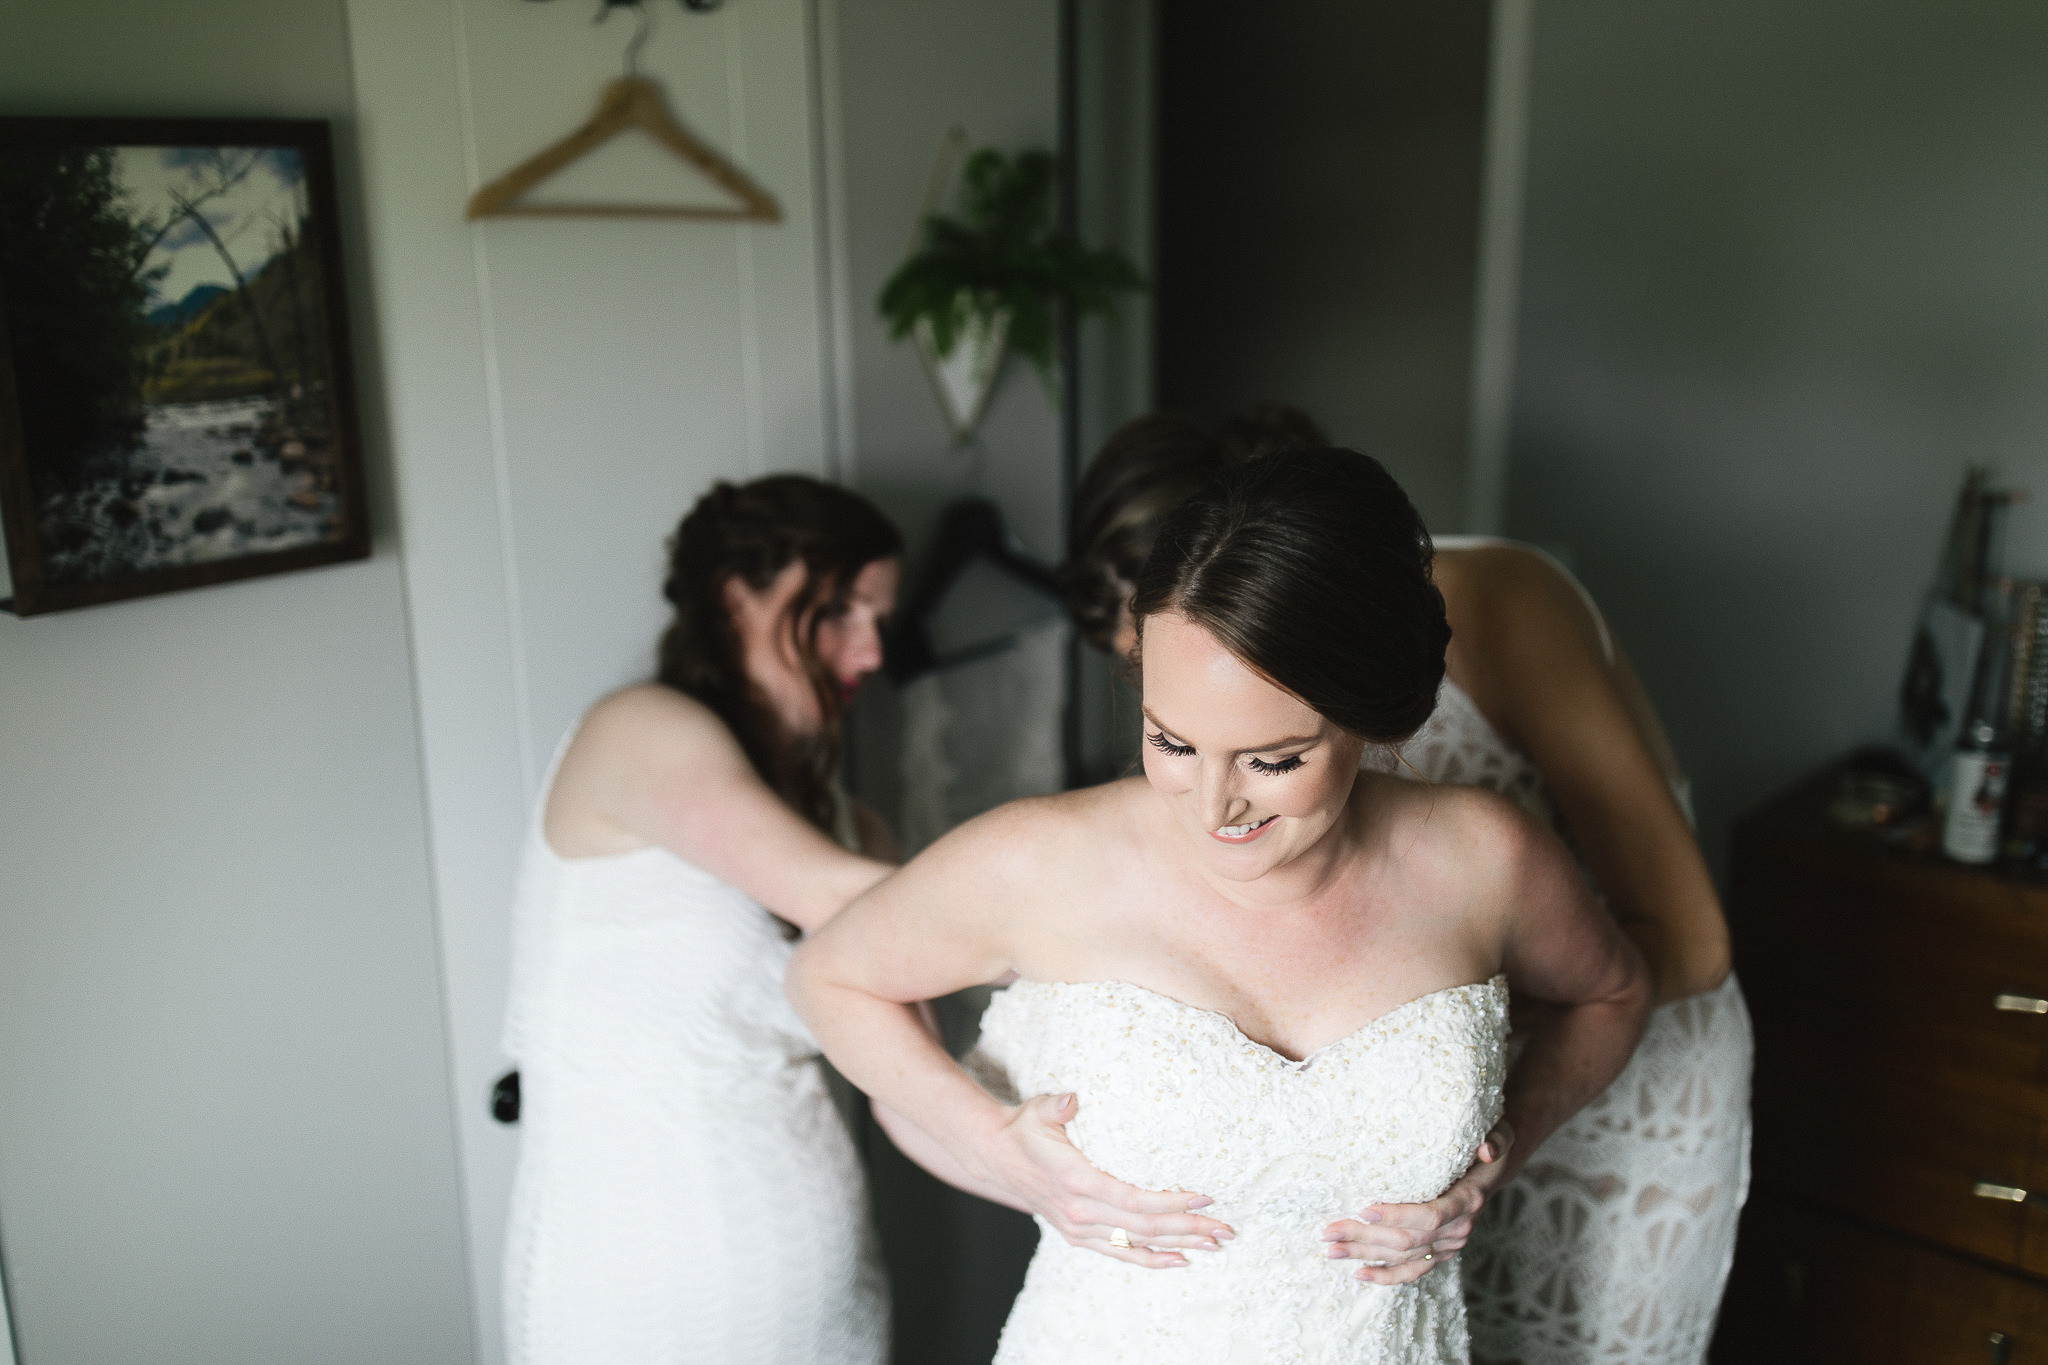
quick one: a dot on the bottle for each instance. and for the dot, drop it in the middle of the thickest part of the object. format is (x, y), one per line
(1976, 795)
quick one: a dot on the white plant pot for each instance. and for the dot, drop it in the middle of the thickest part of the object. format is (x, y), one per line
(964, 379)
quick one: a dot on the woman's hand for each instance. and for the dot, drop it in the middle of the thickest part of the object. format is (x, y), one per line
(1403, 1242)
(1032, 1158)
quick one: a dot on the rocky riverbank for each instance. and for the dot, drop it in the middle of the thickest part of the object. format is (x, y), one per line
(211, 480)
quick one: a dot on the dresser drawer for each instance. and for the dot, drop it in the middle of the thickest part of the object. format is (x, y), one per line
(1844, 1125)
(1956, 988)
(1808, 1287)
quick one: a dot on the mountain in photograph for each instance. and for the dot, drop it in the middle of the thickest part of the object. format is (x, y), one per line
(171, 316)
(265, 336)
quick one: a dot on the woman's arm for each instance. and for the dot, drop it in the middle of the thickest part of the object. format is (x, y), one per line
(1539, 672)
(940, 924)
(919, 1146)
(652, 766)
(1562, 950)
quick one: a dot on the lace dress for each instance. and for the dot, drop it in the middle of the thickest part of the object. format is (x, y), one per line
(685, 1190)
(1614, 1242)
(1172, 1096)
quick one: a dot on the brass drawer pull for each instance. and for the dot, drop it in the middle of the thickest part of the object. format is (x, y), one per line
(1986, 1189)
(2000, 1347)
(2021, 1004)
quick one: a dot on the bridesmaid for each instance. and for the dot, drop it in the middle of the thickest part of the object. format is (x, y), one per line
(686, 1190)
(1616, 1242)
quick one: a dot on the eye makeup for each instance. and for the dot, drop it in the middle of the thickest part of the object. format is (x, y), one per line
(1158, 740)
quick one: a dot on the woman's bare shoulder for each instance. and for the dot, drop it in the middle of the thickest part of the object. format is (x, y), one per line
(1038, 836)
(650, 712)
(1449, 831)
(650, 727)
(1059, 815)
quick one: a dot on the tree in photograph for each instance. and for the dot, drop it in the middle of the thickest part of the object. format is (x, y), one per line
(74, 290)
(213, 171)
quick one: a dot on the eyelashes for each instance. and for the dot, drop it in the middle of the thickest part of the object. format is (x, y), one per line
(1158, 740)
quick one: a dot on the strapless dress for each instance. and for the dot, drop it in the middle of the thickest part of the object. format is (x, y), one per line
(1176, 1097)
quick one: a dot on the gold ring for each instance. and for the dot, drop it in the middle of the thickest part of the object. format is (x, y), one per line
(1429, 1255)
(1120, 1239)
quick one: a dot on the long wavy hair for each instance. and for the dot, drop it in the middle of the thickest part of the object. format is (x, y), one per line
(753, 532)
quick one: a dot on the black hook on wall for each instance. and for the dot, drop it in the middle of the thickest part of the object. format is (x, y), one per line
(700, 6)
(639, 8)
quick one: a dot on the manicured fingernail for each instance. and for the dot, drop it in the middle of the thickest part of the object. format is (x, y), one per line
(1200, 1201)
(1368, 1217)
(1209, 1244)
(1178, 1262)
(1334, 1253)
(1225, 1233)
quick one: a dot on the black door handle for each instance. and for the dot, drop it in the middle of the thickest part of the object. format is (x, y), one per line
(505, 1098)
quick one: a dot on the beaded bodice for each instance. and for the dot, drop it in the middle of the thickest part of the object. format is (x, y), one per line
(1176, 1097)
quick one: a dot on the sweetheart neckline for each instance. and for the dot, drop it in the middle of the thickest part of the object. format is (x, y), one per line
(1496, 981)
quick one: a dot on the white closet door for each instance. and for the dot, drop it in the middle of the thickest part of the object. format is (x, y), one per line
(560, 390)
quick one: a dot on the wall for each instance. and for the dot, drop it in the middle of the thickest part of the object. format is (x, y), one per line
(1783, 278)
(224, 1126)
(902, 72)
(560, 392)
(1319, 223)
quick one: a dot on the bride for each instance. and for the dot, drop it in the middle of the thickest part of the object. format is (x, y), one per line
(1260, 982)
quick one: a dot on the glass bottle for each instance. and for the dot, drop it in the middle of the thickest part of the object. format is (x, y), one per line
(1976, 795)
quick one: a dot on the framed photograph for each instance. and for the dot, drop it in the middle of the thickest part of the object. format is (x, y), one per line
(176, 401)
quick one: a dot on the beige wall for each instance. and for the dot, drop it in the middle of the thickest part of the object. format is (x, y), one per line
(224, 1124)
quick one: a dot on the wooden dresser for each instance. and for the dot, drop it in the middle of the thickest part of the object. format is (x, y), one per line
(1901, 1007)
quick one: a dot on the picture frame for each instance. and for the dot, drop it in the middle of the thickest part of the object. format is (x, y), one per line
(177, 398)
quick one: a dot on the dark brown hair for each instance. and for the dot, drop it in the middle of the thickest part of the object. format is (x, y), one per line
(1143, 471)
(1315, 572)
(753, 532)
(1268, 429)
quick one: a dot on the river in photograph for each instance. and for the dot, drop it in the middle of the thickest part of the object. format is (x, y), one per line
(211, 480)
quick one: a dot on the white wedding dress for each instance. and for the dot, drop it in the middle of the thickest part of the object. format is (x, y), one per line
(686, 1191)
(1614, 1243)
(1175, 1097)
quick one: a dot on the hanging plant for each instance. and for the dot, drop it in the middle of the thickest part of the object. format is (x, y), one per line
(998, 272)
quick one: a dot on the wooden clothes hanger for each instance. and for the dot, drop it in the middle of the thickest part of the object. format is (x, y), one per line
(630, 102)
